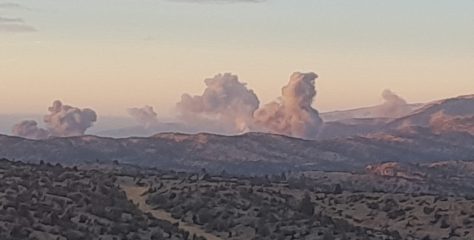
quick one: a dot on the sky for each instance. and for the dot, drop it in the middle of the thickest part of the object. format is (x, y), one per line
(111, 55)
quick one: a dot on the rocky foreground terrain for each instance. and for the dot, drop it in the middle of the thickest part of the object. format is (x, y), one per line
(116, 201)
(50, 202)
(388, 201)
(447, 178)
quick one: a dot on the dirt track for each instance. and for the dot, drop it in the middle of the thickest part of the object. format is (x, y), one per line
(134, 193)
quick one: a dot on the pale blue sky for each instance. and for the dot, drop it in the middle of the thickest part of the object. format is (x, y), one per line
(114, 54)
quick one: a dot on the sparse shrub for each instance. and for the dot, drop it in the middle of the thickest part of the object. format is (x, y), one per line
(306, 205)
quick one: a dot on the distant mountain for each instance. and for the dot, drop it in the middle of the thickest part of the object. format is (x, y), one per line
(142, 131)
(364, 113)
(454, 113)
(352, 127)
(171, 151)
(338, 124)
(248, 153)
(439, 131)
(458, 107)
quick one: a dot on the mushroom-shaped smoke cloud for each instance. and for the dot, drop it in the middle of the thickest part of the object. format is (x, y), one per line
(226, 102)
(62, 121)
(293, 115)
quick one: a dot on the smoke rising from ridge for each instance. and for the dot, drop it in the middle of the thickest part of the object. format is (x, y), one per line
(394, 105)
(67, 121)
(146, 116)
(62, 121)
(29, 129)
(228, 106)
(226, 102)
(293, 115)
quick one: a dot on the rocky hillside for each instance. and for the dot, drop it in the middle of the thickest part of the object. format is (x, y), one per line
(311, 206)
(43, 202)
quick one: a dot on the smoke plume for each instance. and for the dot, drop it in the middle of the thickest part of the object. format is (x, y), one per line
(146, 116)
(394, 106)
(66, 121)
(62, 121)
(29, 129)
(293, 115)
(226, 105)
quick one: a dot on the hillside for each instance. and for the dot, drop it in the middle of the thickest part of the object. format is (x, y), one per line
(439, 131)
(43, 202)
(312, 206)
(389, 201)
(248, 153)
(458, 107)
(453, 114)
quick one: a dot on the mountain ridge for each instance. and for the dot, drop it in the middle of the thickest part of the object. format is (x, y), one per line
(440, 131)
(259, 152)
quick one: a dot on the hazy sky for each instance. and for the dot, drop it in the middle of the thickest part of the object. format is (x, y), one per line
(113, 54)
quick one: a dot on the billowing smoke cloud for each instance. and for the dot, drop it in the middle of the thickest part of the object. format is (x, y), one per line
(226, 102)
(29, 129)
(62, 121)
(146, 116)
(227, 106)
(394, 106)
(66, 121)
(293, 115)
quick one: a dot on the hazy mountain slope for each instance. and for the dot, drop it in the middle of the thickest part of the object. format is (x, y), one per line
(445, 134)
(249, 153)
(406, 145)
(142, 131)
(171, 150)
(462, 106)
(338, 124)
(366, 112)
(352, 127)
(453, 114)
